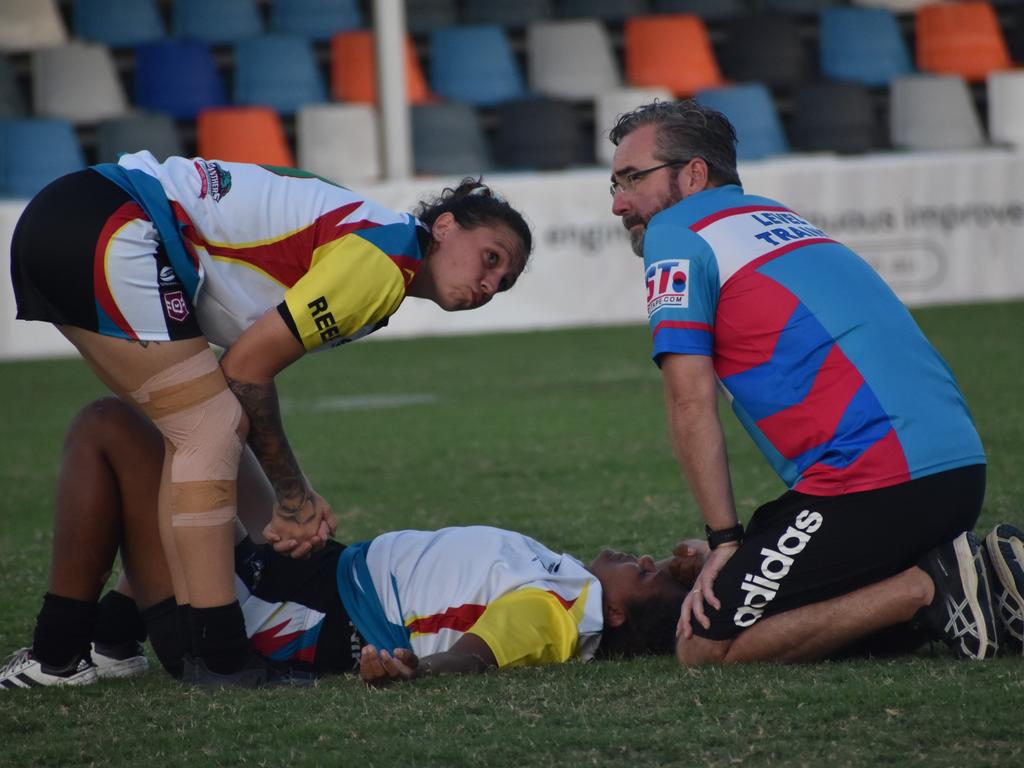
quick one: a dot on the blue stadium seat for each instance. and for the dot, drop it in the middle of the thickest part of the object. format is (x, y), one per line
(178, 77)
(752, 112)
(277, 71)
(220, 22)
(474, 64)
(862, 45)
(34, 152)
(118, 23)
(314, 19)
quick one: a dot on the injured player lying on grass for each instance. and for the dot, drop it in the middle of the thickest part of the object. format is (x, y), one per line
(402, 605)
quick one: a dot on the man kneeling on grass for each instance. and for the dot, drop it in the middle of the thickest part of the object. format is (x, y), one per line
(403, 605)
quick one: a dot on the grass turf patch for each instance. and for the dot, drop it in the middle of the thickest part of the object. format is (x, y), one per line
(560, 435)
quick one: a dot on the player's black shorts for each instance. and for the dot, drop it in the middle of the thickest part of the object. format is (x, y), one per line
(802, 549)
(311, 582)
(85, 254)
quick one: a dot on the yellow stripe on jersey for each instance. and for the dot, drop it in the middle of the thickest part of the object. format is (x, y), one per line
(350, 285)
(530, 627)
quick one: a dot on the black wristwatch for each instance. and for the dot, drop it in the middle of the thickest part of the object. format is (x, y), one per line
(717, 538)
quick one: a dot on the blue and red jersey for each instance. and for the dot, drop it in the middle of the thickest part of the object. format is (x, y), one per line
(824, 366)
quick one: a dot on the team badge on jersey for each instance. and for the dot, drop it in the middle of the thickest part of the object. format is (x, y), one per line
(213, 180)
(668, 284)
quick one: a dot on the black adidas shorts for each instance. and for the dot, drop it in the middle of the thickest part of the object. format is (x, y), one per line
(802, 549)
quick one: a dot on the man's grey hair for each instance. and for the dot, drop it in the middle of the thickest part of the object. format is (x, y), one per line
(686, 129)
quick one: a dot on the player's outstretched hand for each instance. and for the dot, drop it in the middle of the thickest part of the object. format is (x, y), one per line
(298, 539)
(380, 667)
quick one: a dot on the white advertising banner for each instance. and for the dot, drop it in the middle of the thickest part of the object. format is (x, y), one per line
(940, 228)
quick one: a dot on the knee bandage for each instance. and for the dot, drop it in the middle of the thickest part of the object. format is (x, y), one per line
(199, 416)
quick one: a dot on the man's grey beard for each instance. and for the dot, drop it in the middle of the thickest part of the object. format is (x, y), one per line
(636, 240)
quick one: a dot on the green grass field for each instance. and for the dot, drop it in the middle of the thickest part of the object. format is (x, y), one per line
(560, 435)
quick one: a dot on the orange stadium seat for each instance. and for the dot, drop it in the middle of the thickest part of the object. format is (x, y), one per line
(671, 51)
(244, 135)
(960, 39)
(354, 69)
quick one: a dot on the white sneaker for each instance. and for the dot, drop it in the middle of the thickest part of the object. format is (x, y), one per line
(119, 661)
(23, 671)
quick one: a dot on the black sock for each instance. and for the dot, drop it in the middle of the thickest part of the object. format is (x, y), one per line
(218, 637)
(64, 629)
(161, 621)
(118, 621)
(183, 620)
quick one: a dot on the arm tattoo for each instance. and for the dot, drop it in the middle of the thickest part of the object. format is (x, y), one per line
(268, 441)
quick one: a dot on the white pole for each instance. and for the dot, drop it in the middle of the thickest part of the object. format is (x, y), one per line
(396, 130)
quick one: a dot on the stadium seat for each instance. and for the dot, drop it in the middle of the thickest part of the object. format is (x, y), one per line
(607, 108)
(178, 77)
(339, 142)
(539, 134)
(835, 117)
(571, 59)
(217, 23)
(448, 139)
(34, 152)
(517, 14)
(960, 39)
(132, 133)
(118, 23)
(1005, 92)
(710, 10)
(607, 10)
(896, 6)
(315, 19)
(244, 135)
(474, 64)
(671, 51)
(766, 49)
(29, 25)
(862, 45)
(77, 82)
(354, 69)
(798, 7)
(933, 112)
(278, 71)
(421, 16)
(752, 112)
(12, 102)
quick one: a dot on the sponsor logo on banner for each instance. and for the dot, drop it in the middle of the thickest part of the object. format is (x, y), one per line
(176, 305)
(167, 276)
(668, 284)
(213, 180)
(761, 587)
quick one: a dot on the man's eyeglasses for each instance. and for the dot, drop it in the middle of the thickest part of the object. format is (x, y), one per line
(628, 181)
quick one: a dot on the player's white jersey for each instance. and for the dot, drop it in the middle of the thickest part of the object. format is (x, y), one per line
(530, 604)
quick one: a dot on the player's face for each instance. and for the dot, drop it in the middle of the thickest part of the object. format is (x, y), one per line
(636, 200)
(467, 267)
(627, 578)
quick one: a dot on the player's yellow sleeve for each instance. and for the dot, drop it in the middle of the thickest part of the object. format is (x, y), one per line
(350, 284)
(529, 627)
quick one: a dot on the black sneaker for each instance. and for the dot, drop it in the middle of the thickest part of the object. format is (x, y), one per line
(1005, 549)
(961, 614)
(257, 673)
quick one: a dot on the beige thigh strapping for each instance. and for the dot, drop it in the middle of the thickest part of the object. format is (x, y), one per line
(199, 417)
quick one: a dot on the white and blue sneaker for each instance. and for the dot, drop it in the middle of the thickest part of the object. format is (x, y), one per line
(1004, 547)
(961, 614)
(23, 671)
(122, 660)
